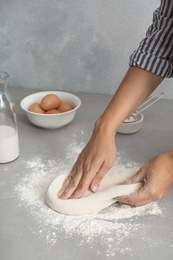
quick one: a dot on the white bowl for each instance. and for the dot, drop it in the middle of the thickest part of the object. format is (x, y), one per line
(50, 121)
(132, 125)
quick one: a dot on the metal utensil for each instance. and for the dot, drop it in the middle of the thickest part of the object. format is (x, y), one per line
(150, 101)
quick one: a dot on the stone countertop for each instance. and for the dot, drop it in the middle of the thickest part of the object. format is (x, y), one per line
(19, 238)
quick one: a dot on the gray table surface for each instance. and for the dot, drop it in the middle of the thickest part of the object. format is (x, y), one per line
(17, 239)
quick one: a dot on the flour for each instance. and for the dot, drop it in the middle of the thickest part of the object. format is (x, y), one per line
(112, 227)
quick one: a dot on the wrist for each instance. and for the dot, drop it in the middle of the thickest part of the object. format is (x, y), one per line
(105, 125)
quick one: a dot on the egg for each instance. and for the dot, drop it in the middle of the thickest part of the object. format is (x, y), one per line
(64, 107)
(50, 101)
(36, 108)
(53, 111)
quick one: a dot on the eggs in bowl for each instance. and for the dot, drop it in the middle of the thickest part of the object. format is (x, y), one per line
(46, 119)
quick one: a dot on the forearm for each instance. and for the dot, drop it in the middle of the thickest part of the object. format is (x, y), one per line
(136, 86)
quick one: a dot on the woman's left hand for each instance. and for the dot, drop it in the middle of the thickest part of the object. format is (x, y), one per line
(156, 176)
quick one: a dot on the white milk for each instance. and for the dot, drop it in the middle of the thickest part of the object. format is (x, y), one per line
(9, 144)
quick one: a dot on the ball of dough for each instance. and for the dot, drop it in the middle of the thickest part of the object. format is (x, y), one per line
(91, 203)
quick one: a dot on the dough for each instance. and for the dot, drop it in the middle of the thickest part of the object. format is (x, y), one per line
(91, 202)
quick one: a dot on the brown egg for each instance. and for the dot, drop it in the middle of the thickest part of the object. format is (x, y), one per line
(53, 111)
(50, 101)
(36, 108)
(64, 107)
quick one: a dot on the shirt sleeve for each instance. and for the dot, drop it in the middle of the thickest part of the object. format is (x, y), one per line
(155, 51)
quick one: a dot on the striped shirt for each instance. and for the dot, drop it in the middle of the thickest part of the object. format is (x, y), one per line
(155, 51)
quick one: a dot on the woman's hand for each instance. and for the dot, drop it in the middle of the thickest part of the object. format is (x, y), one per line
(91, 166)
(157, 177)
(99, 154)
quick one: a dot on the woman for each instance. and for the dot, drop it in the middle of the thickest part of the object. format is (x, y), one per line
(149, 65)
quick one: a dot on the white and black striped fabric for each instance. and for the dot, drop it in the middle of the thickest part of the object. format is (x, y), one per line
(155, 52)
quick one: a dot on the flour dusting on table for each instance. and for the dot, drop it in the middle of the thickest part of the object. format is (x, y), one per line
(112, 228)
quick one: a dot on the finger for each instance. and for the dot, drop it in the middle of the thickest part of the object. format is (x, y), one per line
(138, 177)
(94, 186)
(70, 184)
(142, 203)
(137, 198)
(83, 184)
(66, 181)
(133, 200)
(64, 185)
(89, 173)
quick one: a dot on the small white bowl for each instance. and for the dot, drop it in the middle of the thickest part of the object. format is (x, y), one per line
(132, 125)
(50, 121)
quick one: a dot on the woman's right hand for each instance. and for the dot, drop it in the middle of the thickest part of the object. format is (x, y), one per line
(92, 164)
(99, 154)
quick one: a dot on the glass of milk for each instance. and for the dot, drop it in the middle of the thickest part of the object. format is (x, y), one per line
(9, 142)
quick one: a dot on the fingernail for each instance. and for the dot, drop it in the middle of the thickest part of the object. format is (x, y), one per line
(94, 187)
(74, 197)
(128, 181)
(59, 192)
(64, 197)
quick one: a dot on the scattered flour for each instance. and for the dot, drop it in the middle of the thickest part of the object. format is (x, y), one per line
(113, 227)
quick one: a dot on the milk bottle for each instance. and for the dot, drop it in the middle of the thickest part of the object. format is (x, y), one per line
(9, 143)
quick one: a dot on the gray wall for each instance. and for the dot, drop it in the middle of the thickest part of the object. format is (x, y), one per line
(71, 45)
